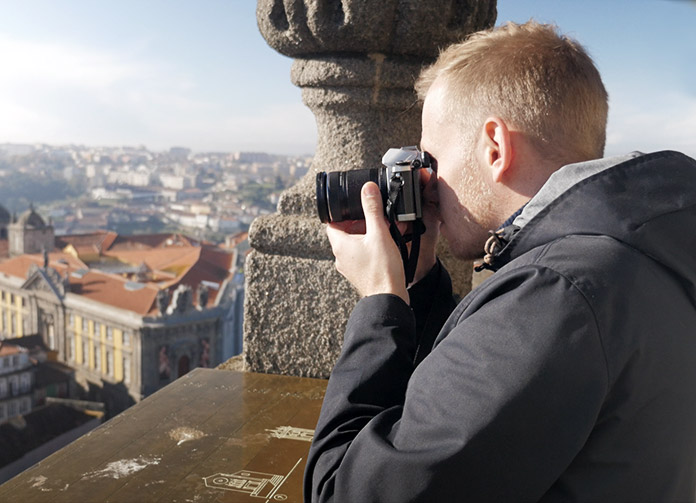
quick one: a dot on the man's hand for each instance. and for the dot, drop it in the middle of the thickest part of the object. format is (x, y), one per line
(365, 251)
(431, 219)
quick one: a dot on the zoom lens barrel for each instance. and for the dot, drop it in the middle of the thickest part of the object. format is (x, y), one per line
(338, 193)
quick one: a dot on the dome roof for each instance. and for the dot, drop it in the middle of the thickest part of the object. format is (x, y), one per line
(31, 219)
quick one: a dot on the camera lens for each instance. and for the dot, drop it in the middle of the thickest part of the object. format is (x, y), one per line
(322, 205)
(338, 193)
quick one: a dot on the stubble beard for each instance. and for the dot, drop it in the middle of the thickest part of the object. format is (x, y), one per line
(475, 208)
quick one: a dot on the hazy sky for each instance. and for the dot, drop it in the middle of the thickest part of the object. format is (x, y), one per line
(164, 73)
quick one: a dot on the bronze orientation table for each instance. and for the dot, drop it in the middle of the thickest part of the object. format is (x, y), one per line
(212, 435)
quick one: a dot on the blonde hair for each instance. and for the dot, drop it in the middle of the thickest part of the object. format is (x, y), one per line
(539, 81)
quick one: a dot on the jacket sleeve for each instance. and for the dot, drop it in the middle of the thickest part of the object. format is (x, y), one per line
(496, 411)
(432, 303)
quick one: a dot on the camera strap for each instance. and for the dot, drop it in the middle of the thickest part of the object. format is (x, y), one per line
(410, 261)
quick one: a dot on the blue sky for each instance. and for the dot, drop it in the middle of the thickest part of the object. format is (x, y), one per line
(162, 73)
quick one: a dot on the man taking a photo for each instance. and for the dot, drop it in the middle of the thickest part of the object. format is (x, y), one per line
(569, 374)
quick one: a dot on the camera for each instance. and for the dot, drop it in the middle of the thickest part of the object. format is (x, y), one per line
(338, 192)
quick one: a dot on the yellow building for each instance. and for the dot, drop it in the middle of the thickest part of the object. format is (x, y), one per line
(133, 311)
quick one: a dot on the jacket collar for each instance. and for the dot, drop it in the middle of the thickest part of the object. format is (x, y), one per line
(557, 184)
(563, 179)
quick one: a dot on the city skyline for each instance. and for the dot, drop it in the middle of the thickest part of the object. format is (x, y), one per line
(171, 73)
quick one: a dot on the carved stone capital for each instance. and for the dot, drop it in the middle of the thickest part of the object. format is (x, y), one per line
(356, 62)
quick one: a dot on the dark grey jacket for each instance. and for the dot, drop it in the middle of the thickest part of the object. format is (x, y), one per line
(569, 375)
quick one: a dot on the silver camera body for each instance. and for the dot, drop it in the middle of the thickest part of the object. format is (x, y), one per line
(338, 192)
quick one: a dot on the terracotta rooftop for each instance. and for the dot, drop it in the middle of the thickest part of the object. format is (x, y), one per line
(100, 240)
(19, 266)
(145, 241)
(238, 238)
(10, 349)
(174, 259)
(112, 290)
(132, 269)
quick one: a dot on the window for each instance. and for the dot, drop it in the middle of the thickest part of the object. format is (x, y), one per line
(71, 348)
(2, 362)
(109, 334)
(25, 383)
(12, 409)
(14, 385)
(24, 406)
(126, 338)
(3, 412)
(109, 363)
(15, 360)
(84, 325)
(71, 320)
(126, 369)
(97, 329)
(51, 336)
(3, 387)
(85, 352)
(97, 357)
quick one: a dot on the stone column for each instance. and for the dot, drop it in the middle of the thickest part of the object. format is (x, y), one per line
(356, 62)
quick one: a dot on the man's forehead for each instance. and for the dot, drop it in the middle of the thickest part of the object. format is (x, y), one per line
(437, 90)
(436, 104)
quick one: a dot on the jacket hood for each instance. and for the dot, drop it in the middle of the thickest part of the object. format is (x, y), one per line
(647, 201)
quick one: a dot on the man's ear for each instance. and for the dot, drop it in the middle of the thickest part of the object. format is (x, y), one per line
(497, 147)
